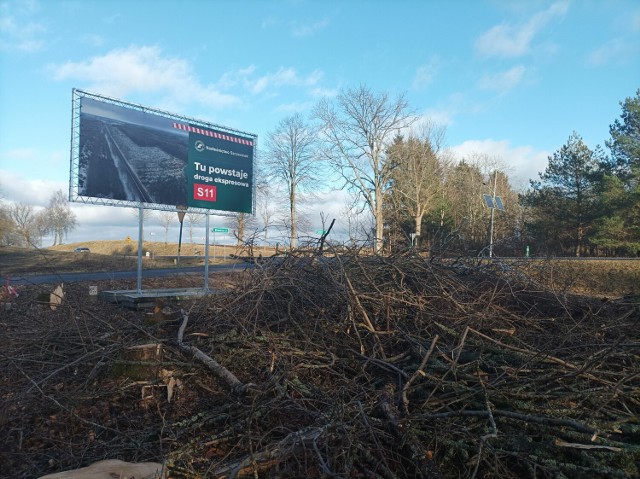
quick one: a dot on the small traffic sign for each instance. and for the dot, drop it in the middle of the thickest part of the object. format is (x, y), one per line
(320, 232)
(219, 230)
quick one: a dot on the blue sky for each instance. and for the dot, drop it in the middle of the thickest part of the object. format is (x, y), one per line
(512, 79)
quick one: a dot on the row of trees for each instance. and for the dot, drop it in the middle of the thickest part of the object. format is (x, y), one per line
(23, 225)
(588, 202)
(403, 176)
(400, 175)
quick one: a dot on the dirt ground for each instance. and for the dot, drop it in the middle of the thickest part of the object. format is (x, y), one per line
(349, 367)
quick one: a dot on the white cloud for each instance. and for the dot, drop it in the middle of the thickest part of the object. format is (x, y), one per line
(19, 28)
(35, 160)
(321, 92)
(426, 73)
(522, 163)
(514, 40)
(504, 81)
(237, 77)
(615, 51)
(432, 116)
(271, 22)
(19, 154)
(445, 112)
(635, 21)
(294, 107)
(146, 70)
(284, 77)
(298, 29)
(35, 192)
(94, 40)
(98, 222)
(308, 29)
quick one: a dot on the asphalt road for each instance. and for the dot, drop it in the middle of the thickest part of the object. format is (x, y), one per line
(113, 275)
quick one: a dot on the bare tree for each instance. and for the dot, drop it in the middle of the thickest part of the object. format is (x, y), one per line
(166, 219)
(265, 193)
(28, 225)
(58, 217)
(357, 130)
(147, 215)
(241, 224)
(418, 173)
(358, 225)
(466, 213)
(7, 229)
(193, 220)
(292, 162)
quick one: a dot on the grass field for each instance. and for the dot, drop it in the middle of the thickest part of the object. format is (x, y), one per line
(597, 277)
(104, 256)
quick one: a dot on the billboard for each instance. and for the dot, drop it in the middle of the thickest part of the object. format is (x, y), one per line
(124, 154)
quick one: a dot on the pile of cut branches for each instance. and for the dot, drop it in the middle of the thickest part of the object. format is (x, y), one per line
(347, 366)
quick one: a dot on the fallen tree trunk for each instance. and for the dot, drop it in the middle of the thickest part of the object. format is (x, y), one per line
(236, 386)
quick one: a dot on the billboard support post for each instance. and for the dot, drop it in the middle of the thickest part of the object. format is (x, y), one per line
(140, 233)
(206, 253)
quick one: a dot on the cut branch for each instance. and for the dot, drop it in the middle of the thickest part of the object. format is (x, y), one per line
(219, 370)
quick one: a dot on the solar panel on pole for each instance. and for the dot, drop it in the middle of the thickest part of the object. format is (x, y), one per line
(488, 200)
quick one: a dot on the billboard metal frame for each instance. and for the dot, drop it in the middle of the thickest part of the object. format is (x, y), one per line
(74, 194)
(74, 167)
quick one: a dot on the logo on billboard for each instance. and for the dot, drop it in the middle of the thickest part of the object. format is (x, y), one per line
(199, 145)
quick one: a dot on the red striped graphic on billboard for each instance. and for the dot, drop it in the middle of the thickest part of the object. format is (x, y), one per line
(213, 134)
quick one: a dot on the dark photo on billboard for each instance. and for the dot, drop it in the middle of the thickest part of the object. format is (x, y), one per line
(130, 155)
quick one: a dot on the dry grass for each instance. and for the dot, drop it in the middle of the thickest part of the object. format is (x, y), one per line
(121, 247)
(104, 256)
(592, 277)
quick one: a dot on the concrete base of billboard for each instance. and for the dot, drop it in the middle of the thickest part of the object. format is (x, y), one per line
(148, 298)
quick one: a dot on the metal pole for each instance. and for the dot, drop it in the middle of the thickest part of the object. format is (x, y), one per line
(495, 185)
(491, 236)
(140, 233)
(206, 254)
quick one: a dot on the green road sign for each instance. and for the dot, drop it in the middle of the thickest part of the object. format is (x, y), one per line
(219, 230)
(320, 232)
